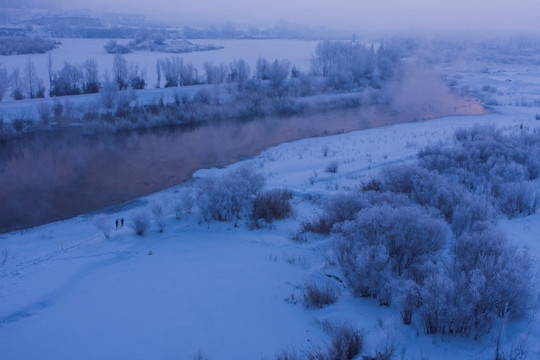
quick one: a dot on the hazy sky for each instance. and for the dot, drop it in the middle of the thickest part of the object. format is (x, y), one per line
(349, 14)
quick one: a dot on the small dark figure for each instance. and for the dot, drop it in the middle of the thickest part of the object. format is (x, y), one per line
(122, 222)
(116, 222)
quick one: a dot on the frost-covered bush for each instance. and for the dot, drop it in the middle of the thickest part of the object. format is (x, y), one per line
(318, 296)
(336, 209)
(505, 271)
(423, 187)
(4, 81)
(226, 198)
(366, 268)
(410, 234)
(406, 298)
(490, 279)
(140, 223)
(343, 206)
(489, 163)
(517, 198)
(469, 211)
(271, 205)
(108, 93)
(184, 203)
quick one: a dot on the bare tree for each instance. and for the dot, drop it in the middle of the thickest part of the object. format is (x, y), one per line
(102, 223)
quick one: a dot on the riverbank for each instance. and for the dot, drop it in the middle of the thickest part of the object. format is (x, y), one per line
(225, 291)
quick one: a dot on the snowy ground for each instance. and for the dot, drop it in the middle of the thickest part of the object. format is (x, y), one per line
(66, 292)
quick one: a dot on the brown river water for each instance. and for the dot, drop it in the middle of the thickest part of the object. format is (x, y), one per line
(50, 176)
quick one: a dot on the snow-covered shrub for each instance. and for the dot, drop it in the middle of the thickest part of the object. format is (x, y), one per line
(318, 226)
(489, 163)
(386, 346)
(318, 296)
(517, 198)
(332, 167)
(490, 279)
(139, 223)
(345, 342)
(438, 308)
(336, 209)
(410, 234)
(343, 206)
(366, 268)
(470, 210)
(386, 198)
(158, 212)
(406, 298)
(108, 93)
(184, 203)
(226, 198)
(505, 271)
(271, 205)
(423, 187)
(102, 223)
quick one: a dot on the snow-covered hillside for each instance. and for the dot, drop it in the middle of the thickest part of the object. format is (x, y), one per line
(224, 291)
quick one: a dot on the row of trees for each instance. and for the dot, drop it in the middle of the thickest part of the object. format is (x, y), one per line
(25, 84)
(71, 79)
(344, 65)
(349, 64)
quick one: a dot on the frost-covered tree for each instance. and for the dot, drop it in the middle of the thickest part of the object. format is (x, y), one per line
(68, 81)
(120, 71)
(16, 84)
(278, 72)
(33, 84)
(158, 74)
(91, 82)
(215, 74)
(108, 92)
(4, 81)
(239, 72)
(261, 68)
(136, 77)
